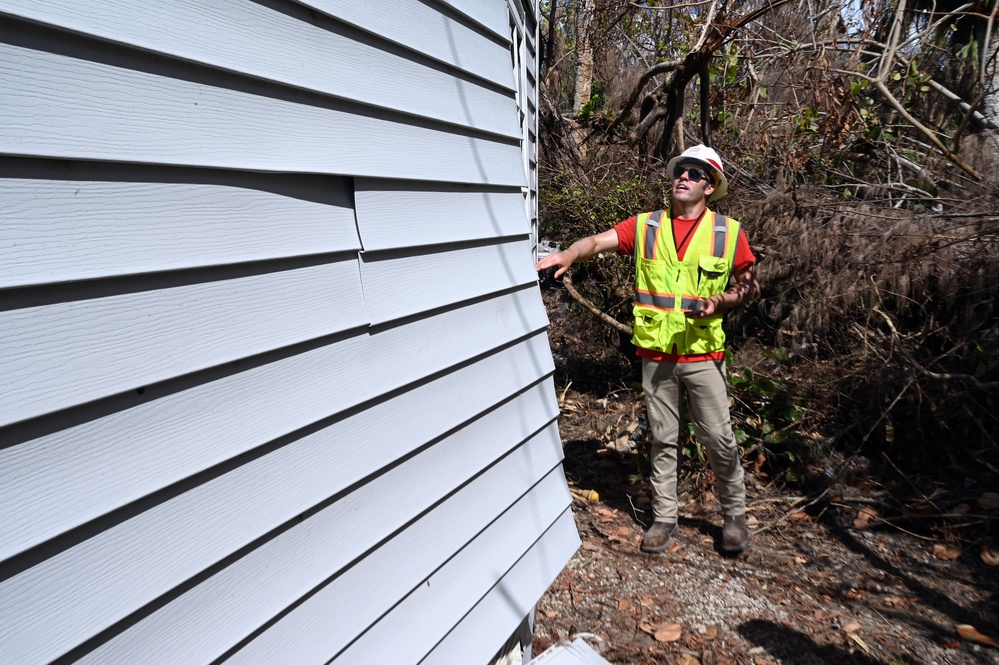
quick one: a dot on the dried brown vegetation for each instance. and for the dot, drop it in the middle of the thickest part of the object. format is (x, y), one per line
(866, 174)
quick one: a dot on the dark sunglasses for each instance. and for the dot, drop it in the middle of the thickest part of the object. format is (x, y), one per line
(696, 174)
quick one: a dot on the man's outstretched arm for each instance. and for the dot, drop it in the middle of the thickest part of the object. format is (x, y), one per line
(579, 251)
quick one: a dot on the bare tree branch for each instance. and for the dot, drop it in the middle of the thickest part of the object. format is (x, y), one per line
(922, 370)
(655, 70)
(705, 91)
(593, 309)
(923, 129)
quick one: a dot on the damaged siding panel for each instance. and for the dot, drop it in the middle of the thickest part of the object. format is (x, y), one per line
(76, 229)
(86, 589)
(394, 215)
(151, 441)
(60, 106)
(289, 47)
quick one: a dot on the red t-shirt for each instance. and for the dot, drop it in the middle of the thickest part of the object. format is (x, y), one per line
(683, 230)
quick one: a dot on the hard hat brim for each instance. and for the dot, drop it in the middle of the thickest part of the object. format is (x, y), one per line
(721, 182)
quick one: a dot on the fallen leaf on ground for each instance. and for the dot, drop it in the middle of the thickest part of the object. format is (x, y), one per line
(667, 632)
(990, 556)
(971, 634)
(798, 515)
(946, 552)
(623, 531)
(710, 632)
(894, 601)
(852, 627)
(751, 521)
(646, 602)
(860, 642)
(864, 517)
(688, 659)
(591, 545)
(989, 500)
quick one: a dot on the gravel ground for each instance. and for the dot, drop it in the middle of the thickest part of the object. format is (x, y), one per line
(819, 584)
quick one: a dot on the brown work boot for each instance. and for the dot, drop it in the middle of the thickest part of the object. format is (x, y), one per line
(735, 534)
(658, 536)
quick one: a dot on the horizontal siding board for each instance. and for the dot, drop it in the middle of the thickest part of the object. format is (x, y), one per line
(421, 27)
(63, 107)
(398, 286)
(77, 593)
(423, 617)
(483, 631)
(392, 216)
(212, 618)
(58, 355)
(327, 621)
(249, 39)
(65, 230)
(62, 476)
(492, 16)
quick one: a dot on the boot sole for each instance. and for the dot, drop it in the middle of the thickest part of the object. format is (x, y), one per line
(739, 549)
(662, 548)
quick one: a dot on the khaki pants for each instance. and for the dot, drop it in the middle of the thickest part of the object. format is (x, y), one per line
(708, 397)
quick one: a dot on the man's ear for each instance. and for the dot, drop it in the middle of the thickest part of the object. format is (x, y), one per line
(709, 190)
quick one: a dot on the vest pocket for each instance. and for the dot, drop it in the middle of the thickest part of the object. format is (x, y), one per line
(713, 273)
(647, 327)
(705, 336)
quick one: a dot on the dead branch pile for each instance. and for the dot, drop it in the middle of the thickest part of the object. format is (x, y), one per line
(891, 316)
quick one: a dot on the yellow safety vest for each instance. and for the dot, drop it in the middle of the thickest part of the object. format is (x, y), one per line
(666, 287)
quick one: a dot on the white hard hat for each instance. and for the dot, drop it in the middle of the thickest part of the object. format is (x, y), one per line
(702, 154)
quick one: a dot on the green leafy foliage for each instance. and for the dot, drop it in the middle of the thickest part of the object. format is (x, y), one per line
(771, 416)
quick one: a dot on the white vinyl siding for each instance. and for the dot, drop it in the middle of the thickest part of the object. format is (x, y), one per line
(269, 325)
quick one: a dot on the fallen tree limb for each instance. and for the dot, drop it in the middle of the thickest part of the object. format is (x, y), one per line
(596, 311)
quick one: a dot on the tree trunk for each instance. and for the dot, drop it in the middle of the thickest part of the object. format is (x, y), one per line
(584, 68)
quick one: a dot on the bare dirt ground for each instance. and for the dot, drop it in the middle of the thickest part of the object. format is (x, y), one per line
(824, 580)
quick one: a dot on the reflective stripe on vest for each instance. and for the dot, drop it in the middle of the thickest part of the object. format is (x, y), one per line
(651, 224)
(720, 234)
(664, 301)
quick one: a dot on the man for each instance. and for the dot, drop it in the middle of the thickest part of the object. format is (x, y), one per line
(692, 265)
